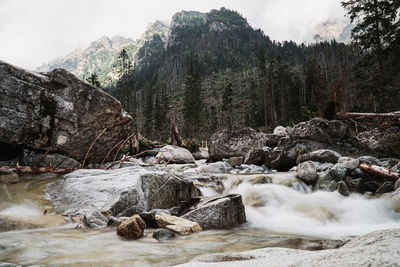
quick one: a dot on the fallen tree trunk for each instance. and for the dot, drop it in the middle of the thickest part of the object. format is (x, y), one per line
(380, 172)
(393, 115)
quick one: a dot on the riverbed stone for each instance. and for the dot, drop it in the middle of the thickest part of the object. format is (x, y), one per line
(58, 110)
(163, 234)
(9, 178)
(343, 189)
(175, 154)
(202, 153)
(95, 220)
(218, 212)
(216, 167)
(326, 182)
(124, 191)
(177, 224)
(132, 228)
(320, 155)
(337, 172)
(306, 171)
(370, 160)
(235, 161)
(386, 187)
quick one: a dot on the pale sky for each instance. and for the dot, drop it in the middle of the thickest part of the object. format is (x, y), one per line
(33, 32)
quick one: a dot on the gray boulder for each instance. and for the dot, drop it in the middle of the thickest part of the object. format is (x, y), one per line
(175, 154)
(60, 111)
(163, 234)
(95, 220)
(370, 160)
(320, 155)
(271, 140)
(124, 191)
(226, 144)
(235, 161)
(326, 182)
(343, 189)
(218, 212)
(307, 172)
(202, 153)
(349, 163)
(216, 167)
(338, 172)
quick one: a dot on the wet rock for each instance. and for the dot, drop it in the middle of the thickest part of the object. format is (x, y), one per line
(124, 191)
(386, 187)
(218, 212)
(396, 168)
(280, 131)
(58, 110)
(258, 156)
(371, 186)
(235, 161)
(149, 217)
(33, 158)
(337, 172)
(397, 184)
(307, 172)
(326, 182)
(95, 220)
(320, 155)
(343, 189)
(163, 234)
(226, 144)
(113, 221)
(260, 180)
(7, 264)
(251, 168)
(389, 162)
(357, 172)
(322, 167)
(175, 154)
(216, 167)
(354, 184)
(370, 160)
(132, 228)
(176, 224)
(349, 163)
(9, 178)
(202, 153)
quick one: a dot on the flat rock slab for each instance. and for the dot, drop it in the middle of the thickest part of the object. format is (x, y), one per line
(124, 191)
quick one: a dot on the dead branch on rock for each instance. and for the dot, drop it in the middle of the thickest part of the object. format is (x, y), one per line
(91, 146)
(382, 172)
(108, 153)
(43, 156)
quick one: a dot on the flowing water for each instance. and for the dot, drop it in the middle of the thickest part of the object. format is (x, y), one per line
(283, 213)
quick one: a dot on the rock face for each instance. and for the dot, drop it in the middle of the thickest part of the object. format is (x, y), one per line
(175, 154)
(218, 212)
(132, 228)
(58, 110)
(124, 191)
(177, 224)
(227, 144)
(378, 248)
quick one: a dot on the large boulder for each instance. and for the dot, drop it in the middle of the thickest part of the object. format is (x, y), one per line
(307, 172)
(56, 110)
(226, 144)
(320, 155)
(175, 154)
(218, 212)
(124, 191)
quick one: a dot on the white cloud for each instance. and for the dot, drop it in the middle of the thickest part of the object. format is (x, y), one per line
(34, 32)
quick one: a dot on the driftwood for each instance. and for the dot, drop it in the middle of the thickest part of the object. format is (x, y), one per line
(175, 136)
(384, 173)
(394, 115)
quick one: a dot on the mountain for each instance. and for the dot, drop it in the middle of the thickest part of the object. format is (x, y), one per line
(101, 55)
(340, 30)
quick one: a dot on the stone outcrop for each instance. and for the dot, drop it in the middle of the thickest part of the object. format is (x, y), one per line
(132, 228)
(175, 154)
(226, 144)
(218, 212)
(58, 110)
(124, 191)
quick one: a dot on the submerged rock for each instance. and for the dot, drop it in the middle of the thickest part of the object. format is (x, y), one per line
(58, 110)
(176, 224)
(226, 144)
(343, 189)
(175, 154)
(132, 228)
(9, 178)
(124, 191)
(163, 234)
(95, 220)
(218, 212)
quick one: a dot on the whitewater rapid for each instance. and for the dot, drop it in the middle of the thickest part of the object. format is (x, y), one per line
(283, 209)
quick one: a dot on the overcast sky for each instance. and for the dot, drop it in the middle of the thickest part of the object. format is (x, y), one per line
(35, 31)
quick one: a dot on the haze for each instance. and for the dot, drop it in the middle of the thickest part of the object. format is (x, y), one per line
(34, 32)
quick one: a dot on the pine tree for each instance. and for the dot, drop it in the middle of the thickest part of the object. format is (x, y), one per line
(93, 80)
(193, 103)
(148, 111)
(227, 105)
(375, 32)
